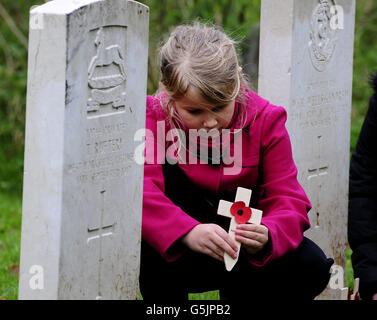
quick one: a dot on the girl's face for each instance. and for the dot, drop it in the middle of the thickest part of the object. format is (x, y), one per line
(197, 113)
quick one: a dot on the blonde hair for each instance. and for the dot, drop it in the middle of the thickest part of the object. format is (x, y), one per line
(205, 58)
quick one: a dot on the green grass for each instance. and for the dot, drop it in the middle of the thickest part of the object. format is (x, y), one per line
(356, 125)
(210, 295)
(349, 269)
(10, 235)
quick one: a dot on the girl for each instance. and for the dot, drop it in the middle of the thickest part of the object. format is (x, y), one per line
(184, 240)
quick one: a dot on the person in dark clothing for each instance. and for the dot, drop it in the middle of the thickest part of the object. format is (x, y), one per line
(362, 219)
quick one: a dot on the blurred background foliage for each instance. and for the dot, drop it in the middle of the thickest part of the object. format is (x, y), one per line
(238, 18)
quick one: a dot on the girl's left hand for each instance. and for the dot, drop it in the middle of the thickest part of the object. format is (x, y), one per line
(253, 237)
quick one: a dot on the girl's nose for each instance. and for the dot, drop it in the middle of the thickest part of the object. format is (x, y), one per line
(210, 123)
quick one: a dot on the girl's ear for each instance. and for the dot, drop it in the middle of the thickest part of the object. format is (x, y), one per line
(239, 69)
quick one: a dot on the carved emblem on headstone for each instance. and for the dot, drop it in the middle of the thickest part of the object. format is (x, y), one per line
(106, 76)
(322, 37)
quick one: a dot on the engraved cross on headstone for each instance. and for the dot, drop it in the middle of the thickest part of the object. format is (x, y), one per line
(318, 170)
(321, 168)
(100, 232)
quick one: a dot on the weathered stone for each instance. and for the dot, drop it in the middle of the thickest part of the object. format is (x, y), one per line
(306, 66)
(82, 201)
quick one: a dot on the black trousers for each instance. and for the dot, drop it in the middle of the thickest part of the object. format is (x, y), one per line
(300, 274)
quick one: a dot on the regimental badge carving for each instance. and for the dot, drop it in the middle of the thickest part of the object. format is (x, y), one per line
(322, 37)
(107, 72)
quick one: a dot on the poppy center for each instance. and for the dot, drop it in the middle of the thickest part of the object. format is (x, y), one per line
(240, 212)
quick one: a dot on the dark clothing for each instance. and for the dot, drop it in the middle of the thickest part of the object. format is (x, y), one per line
(300, 274)
(362, 220)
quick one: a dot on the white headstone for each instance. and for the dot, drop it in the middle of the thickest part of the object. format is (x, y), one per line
(82, 201)
(306, 59)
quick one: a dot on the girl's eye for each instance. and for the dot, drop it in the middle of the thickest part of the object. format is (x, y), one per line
(218, 108)
(194, 111)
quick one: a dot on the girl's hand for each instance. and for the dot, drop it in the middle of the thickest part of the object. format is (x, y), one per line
(374, 296)
(253, 237)
(212, 240)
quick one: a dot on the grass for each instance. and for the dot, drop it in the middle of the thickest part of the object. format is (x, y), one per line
(349, 269)
(10, 235)
(210, 295)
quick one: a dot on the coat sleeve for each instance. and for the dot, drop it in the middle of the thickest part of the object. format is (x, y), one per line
(362, 219)
(283, 201)
(163, 223)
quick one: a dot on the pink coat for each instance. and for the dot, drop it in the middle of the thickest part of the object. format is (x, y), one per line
(266, 160)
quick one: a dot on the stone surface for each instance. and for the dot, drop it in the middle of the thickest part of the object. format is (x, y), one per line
(306, 66)
(82, 201)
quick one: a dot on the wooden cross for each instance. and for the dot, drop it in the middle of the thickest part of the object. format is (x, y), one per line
(345, 292)
(224, 209)
(355, 294)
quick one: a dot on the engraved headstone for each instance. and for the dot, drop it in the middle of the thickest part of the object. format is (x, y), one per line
(306, 59)
(82, 201)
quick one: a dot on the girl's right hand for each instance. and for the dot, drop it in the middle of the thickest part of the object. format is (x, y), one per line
(212, 240)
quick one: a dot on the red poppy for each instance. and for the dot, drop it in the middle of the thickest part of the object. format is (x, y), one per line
(240, 212)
